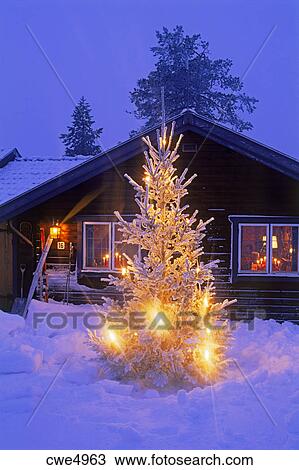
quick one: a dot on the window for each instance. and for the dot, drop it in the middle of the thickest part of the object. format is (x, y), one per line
(103, 248)
(284, 249)
(97, 240)
(258, 256)
(119, 248)
(254, 248)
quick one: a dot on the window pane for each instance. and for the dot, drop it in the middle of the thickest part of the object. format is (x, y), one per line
(97, 246)
(254, 248)
(119, 248)
(284, 249)
(118, 236)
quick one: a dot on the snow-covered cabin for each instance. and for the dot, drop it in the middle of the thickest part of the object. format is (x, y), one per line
(251, 190)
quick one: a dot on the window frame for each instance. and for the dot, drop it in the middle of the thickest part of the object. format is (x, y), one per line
(235, 253)
(113, 241)
(90, 268)
(269, 249)
(243, 272)
(283, 273)
(112, 229)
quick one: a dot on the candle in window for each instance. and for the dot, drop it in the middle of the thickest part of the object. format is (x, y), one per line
(106, 261)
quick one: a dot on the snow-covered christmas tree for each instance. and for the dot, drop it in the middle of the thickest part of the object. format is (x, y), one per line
(175, 332)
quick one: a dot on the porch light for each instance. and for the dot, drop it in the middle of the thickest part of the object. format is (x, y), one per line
(55, 231)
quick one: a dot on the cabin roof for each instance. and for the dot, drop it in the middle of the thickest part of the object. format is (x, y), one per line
(19, 174)
(28, 181)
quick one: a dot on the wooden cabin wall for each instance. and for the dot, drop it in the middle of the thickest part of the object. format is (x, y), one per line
(6, 266)
(227, 184)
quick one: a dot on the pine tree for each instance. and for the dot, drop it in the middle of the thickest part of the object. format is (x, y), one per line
(81, 138)
(171, 285)
(192, 80)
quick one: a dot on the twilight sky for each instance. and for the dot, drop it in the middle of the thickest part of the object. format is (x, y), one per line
(99, 48)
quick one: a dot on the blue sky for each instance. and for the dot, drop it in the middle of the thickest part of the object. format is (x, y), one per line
(100, 48)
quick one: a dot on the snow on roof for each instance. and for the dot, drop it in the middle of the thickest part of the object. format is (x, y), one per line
(25, 173)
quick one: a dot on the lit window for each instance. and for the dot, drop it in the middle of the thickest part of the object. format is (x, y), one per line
(258, 256)
(104, 247)
(284, 249)
(120, 248)
(254, 248)
(97, 245)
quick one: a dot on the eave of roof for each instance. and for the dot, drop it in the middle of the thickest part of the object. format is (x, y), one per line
(186, 121)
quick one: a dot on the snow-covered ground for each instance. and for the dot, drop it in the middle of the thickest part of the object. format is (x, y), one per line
(51, 396)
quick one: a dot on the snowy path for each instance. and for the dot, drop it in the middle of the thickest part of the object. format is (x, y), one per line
(50, 396)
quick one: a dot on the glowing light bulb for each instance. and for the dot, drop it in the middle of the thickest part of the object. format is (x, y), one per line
(208, 331)
(161, 322)
(124, 271)
(162, 142)
(113, 337)
(206, 355)
(206, 301)
(147, 177)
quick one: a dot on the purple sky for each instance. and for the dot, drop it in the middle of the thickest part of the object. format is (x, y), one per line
(101, 47)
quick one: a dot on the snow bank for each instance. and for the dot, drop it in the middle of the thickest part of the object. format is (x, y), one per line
(25, 359)
(10, 324)
(49, 381)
